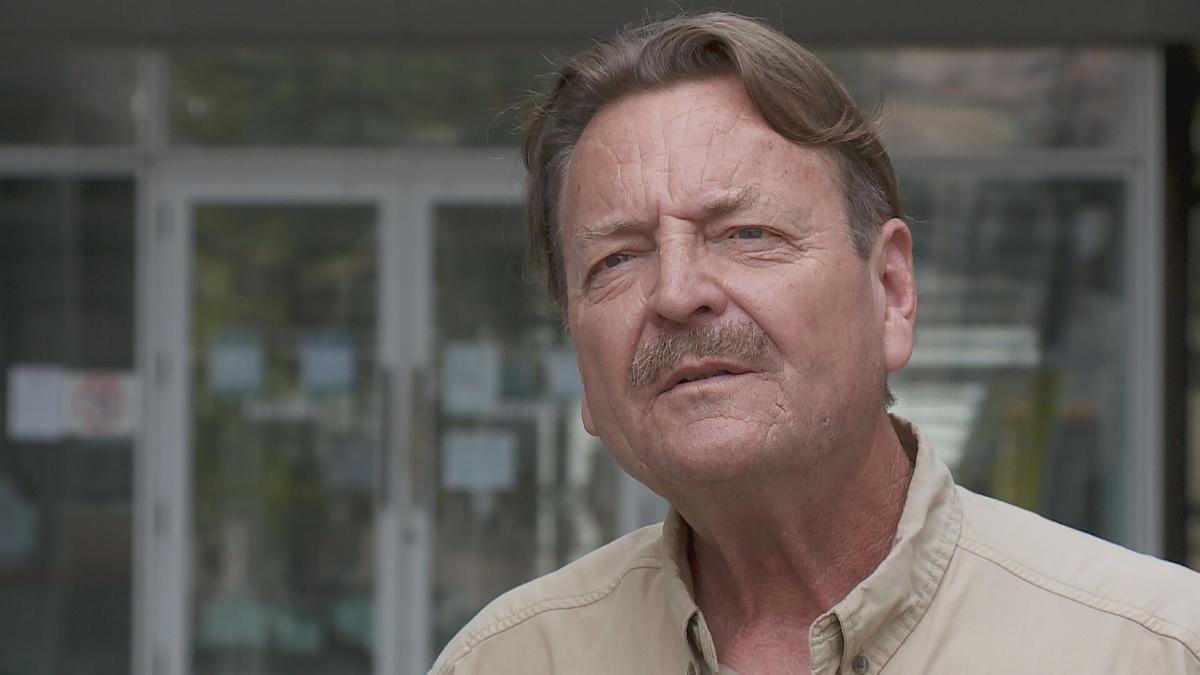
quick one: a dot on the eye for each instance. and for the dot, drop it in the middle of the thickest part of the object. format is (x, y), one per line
(748, 233)
(615, 259)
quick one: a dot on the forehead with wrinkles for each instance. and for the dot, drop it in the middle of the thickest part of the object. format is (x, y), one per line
(668, 151)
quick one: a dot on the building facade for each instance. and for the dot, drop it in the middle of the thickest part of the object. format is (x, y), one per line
(278, 398)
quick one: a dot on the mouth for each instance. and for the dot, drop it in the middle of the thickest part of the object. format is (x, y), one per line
(700, 373)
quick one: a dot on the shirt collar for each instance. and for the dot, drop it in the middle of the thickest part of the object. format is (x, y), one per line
(681, 602)
(879, 613)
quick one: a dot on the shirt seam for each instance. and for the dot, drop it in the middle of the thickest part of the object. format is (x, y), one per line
(1168, 629)
(517, 617)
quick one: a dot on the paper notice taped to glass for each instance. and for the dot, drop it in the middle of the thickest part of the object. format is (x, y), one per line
(47, 402)
(235, 361)
(470, 377)
(479, 461)
(327, 361)
(35, 402)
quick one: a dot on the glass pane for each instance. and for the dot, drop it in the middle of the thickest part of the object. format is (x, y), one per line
(347, 98)
(284, 438)
(985, 99)
(1017, 375)
(56, 96)
(68, 402)
(522, 488)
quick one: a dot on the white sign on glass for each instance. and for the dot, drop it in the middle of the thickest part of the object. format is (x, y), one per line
(479, 461)
(470, 377)
(35, 402)
(47, 402)
(235, 362)
(101, 404)
(326, 361)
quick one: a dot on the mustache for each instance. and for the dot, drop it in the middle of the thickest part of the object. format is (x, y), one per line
(742, 340)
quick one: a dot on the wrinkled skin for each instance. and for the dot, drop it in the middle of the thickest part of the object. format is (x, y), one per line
(654, 161)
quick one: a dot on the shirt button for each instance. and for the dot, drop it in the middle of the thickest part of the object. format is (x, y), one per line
(860, 664)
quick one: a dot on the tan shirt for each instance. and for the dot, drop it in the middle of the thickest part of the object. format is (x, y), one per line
(972, 585)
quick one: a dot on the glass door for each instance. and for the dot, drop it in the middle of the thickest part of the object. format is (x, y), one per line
(285, 437)
(281, 436)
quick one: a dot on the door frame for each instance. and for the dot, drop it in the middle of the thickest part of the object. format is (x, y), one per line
(406, 188)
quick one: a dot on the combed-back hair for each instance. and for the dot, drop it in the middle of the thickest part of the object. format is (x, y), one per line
(797, 95)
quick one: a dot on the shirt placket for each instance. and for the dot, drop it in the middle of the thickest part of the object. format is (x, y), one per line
(704, 651)
(825, 644)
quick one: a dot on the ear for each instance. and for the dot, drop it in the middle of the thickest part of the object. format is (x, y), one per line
(586, 411)
(894, 267)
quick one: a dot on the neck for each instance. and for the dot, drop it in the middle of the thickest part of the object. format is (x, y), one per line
(767, 559)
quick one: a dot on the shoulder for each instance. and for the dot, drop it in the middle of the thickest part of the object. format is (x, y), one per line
(572, 589)
(1158, 597)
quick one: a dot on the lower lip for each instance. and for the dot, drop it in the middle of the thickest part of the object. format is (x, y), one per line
(701, 384)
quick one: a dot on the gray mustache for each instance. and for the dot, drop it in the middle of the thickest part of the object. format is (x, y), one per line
(744, 341)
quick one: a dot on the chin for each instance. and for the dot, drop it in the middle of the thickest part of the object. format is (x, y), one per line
(710, 452)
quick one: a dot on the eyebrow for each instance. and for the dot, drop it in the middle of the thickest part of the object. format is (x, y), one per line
(731, 201)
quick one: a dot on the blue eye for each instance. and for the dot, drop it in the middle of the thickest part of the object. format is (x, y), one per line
(616, 259)
(748, 233)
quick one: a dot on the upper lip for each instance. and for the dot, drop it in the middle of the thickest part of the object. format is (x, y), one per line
(694, 370)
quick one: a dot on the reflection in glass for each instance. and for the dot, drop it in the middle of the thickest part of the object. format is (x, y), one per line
(347, 98)
(1018, 370)
(939, 99)
(57, 96)
(284, 438)
(67, 425)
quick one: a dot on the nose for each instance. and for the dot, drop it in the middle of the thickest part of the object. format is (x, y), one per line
(684, 288)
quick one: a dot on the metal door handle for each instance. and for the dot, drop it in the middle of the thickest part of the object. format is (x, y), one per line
(387, 435)
(417, 446)
(420, 474)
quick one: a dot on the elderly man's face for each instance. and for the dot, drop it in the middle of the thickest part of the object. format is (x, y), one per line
(723, 323)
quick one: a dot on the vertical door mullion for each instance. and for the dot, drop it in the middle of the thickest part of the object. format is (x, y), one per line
(1145, 297)
(388, 624)
(151, 210)
(406, 211)
(148, 252)
(167, 455)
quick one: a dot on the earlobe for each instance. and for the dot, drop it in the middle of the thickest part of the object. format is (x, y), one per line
(899, 291)
(586, 411)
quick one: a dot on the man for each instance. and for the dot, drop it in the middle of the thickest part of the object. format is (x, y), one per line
(723, 230)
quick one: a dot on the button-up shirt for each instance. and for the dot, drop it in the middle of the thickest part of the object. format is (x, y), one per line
(971, 585)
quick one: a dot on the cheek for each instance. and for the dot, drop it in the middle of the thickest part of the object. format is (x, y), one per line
(604, 349)
(819, 318)
(789, 305)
